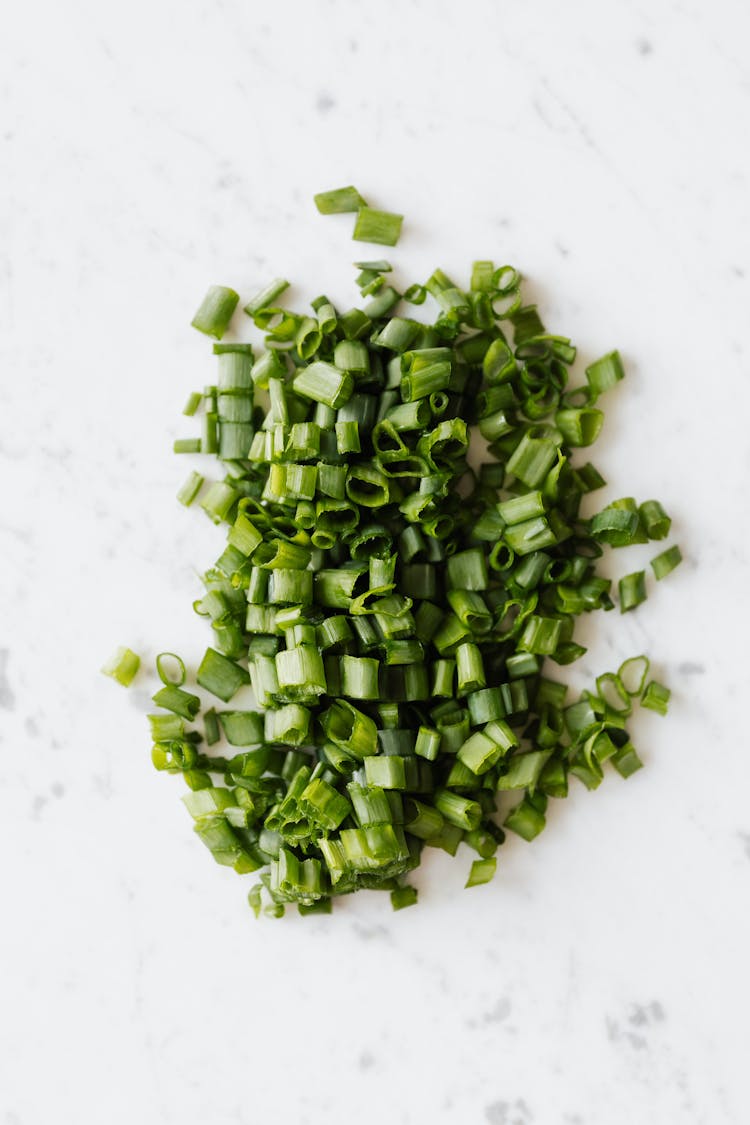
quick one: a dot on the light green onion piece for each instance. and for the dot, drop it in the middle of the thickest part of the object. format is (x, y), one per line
(192, 404)
(525, 820)
(632, 674)
(265, 297)
(359, 677)
(386, 772)
(524, 770)
(482, 871)
(579, 427)
(428, 743)
(322, 382)
(174, 699)
(479, 753)
(220, 675)
(458, 810)
(377, 226)
(532, 459)
(626, 760)
(338, 201)
(122, 666)
(190, 489)
(656, 697)
(242, 728)
(216, 311)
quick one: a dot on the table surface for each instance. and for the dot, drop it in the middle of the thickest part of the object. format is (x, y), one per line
(151, 149)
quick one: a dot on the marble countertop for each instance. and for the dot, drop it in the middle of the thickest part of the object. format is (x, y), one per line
(152, 148)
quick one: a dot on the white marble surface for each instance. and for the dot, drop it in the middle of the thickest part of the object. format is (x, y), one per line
(152, 148)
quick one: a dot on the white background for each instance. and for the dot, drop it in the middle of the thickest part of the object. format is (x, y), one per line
(149, 149)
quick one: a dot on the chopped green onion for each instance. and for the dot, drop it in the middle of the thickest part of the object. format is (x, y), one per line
(616, 526)
(324, 383)
(386, 772)
(122, 666)
(632, 674)
(173, 698)
(242, 728)
(402, 897)
(339, 201)
(359, 677)
(377, 226)
(192, 404)
(580, 426)
(458, 810)
(216, 311)
(220, 675)
(390, 606)
(525, 820)
(655, 520)
(524, 770)
(626, 760)
(211, 727)
(656, 697)
(190, 489)
(266, 297)
(482, 871)
(604, 373)
(632, 589)
(664, 564)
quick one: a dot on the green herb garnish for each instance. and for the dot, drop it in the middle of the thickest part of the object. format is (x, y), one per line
(398, 614)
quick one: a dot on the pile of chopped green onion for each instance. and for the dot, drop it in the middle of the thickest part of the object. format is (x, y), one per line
(399, 614)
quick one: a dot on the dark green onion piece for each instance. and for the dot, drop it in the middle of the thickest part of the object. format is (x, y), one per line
(664, 564)
(211, 727)
(616, 526)
(656, 522)
(402, 897)
(604, 373)
(632, 590)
